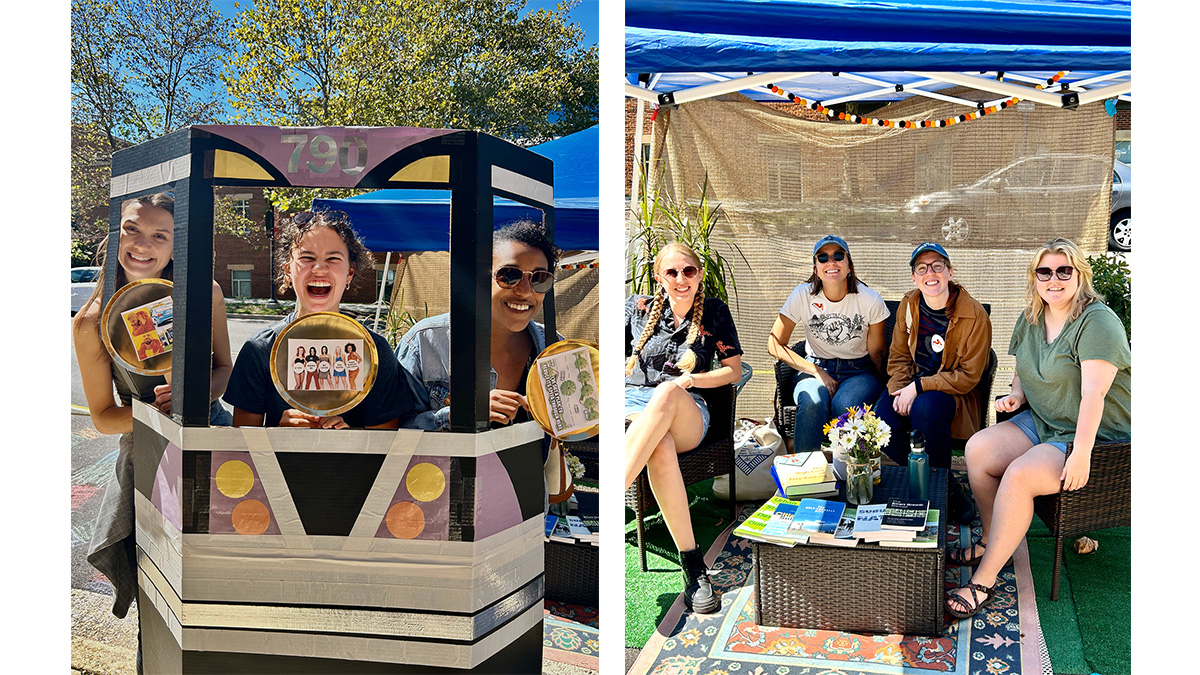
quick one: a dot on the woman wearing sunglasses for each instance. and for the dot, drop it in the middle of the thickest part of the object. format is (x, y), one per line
(843, 324)
(671, 340)
(523, 260)
(323, 257)
(1073, 369)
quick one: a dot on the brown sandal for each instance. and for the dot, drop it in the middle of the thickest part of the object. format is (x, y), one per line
(959, 556)
(953, 600)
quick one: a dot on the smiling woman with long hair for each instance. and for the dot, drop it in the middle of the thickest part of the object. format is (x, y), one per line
(145, 250)
(1073, 369)
(671, 340)
(323, 256)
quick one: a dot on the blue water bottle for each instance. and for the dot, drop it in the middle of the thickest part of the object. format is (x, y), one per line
(918, 467)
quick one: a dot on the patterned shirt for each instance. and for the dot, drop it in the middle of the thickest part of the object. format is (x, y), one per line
(656, 363)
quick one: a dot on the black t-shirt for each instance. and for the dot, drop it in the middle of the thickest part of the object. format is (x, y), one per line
(656, 364)
(251, 389)
(931, 339)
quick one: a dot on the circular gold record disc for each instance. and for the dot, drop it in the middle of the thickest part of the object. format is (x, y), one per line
(563, 390)
(136, 326)
(312, 364)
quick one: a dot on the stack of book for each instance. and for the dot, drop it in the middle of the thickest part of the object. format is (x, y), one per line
(804, 474)
(573, 529)
(786, 522)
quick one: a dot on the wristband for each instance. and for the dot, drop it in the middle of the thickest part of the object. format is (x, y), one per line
(920, 390)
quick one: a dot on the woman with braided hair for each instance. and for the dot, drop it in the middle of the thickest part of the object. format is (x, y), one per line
(672, 339)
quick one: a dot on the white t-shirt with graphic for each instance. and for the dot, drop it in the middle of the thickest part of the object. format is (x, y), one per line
(835, 330)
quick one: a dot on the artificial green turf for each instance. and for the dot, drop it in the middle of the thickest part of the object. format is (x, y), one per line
(648, 595)
(1087, 629)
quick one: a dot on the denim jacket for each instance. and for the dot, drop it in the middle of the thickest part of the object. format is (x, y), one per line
(424, 351)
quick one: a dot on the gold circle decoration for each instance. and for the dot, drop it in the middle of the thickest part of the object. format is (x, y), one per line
(563, 390)
(323, 339)
(135, 326)
(425, 482)
(235, 478)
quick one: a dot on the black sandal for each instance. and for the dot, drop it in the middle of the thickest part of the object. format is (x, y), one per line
(958, 556)
(953, 600)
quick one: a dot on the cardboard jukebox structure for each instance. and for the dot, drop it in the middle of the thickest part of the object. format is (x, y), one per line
(307, 550)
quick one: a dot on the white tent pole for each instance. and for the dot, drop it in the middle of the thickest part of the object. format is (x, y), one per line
(988, 84)
(639, 93)
(387, 260)
(730, 86)
(635, 194)
(1106, 92)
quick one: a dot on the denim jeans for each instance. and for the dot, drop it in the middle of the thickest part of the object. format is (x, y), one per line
(815, 407)
(931, 414)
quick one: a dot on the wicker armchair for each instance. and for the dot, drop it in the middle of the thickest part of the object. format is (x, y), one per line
(1104, 502)
(785, 408)
(713, 457)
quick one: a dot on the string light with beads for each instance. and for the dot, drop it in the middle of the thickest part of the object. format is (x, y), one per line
(1057, 76)
(897, 124)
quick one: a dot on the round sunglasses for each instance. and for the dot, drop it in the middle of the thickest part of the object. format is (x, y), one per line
(688, 272)
(838, 256)
(509, 276)
(1063, 273)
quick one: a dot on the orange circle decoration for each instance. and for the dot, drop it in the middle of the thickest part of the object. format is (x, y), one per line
(235, 478)
(251, 517)
(405, 520)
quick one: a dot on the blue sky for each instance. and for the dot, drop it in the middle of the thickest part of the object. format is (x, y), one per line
(587, 14)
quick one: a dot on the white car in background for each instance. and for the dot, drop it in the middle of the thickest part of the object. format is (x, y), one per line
(1119, 236)
(83, 283)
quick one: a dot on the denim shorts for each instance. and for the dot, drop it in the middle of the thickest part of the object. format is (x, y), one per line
(1024, 422)
(637, 397)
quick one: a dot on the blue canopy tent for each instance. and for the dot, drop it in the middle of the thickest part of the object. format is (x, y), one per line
(418, 220)
(682, 50)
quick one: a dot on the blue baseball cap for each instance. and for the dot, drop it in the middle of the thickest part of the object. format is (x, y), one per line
(831, 239)
(927, 246)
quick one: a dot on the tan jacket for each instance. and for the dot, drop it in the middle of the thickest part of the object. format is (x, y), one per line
(964, 359)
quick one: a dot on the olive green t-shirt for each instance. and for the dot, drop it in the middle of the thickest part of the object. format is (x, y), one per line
(1051, 376)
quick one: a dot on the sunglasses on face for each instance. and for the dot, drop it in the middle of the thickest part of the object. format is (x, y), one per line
(936, 267)
(330, 216)
(1063, 273)
(839, 256)
(688, 272)
(509, 276)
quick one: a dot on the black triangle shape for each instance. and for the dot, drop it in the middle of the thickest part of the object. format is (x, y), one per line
(329, 489)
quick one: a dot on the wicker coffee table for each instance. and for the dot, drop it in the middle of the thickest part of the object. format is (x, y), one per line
(865, 589)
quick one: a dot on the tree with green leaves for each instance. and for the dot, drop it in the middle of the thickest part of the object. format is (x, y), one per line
(467, 64)
(139, 69)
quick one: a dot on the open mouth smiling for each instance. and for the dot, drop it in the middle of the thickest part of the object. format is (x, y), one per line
(318, 289)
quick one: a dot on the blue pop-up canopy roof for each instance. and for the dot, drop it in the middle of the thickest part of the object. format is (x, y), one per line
(835, 51)
(419, 220)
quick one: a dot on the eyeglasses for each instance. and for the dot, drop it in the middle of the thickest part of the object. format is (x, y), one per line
(329, 216)
(1063, 273)
(937, 267)
(509, 276)
(688, 272)
(839, 256)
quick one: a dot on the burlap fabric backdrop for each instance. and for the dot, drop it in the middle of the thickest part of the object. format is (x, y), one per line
(784, 182)
(426, 288)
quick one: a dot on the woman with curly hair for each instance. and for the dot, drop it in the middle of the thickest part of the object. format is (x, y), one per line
(322, 257)
(1073, 369)
(671, 341)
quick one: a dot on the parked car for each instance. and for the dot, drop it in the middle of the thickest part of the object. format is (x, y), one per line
(83, 283)
(1119, 238)
(1029, 190)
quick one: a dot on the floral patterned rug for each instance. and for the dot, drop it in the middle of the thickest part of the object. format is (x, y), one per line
(1004, 640)
(571, 634)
